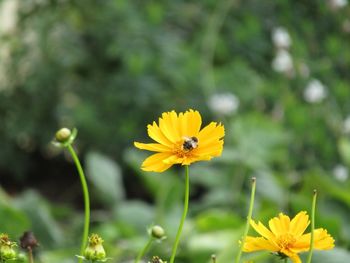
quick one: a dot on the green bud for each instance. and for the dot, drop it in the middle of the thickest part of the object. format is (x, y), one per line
(156, 259)
(7, 251)
(157, 232)
(95, 250)
(63, 135)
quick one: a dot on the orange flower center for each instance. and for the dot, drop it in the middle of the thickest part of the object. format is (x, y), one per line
(286, 240)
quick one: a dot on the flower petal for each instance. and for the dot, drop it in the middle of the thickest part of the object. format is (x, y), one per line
(168, 124)
(293, 256)
(258, 243)
(155, 147)
(156, 134)
(262, 230)
(190, 123)
(279, 225)
(322, 241)
(299, 223)
(155, 163)
(211, 132)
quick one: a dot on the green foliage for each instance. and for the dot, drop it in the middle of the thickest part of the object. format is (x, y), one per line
(109, 68)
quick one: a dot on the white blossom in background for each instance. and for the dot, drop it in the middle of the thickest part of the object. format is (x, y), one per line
(315, 91)
(346, 125)
(281, 38)
(223, 103)
(340, 172)
(283, 62)
(337, 4)
(8, 16)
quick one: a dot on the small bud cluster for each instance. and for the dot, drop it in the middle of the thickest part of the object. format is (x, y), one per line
(95, 251)
(156, 259)
(7, 251)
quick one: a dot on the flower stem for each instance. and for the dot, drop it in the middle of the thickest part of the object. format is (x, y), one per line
(86, 199)
(312, 226)
(30, 255)
(186, 200)
(249, 217)
(144, 250)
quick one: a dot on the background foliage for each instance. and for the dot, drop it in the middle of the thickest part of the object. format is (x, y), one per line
(110, 67)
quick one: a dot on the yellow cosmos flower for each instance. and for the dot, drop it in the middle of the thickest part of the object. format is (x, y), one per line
(180, 140)
(286, 237)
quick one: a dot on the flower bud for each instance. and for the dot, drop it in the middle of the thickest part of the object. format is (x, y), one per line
(156, 259)
(95, 250)
(157, 232)
(28, 240)
(63, 134)
(6, 248)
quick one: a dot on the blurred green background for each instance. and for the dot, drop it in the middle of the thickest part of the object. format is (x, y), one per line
(275, 73)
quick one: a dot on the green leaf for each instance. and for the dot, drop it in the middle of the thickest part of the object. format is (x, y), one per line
(105, 175)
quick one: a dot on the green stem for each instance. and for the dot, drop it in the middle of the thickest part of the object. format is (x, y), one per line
(144, 250)
(249, 217)
(312, 226)
(86, 200)
(186, 200)
(30, 255)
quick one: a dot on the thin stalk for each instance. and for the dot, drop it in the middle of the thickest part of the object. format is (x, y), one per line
(86, 200)
(186, 201)
(144, 250)
(30, 255)
(312, 226)
(249, 218)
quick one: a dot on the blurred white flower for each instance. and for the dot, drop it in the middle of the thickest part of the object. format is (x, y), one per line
(281, 38)
(340, 172)
(223, 103)
(346, 125)
(283, 62)
(315, 91)
(337, 4)
(8, 16)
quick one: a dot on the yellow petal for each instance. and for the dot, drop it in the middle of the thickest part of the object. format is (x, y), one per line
(322, 241)
(214, 149)
(293, 256)
(155, 163)
(279, 225)
(299, 223)
(262, 230)
(155, 147)
(258, 243)
(190, 123)
(156, 134)
(168, 124)
(211, 132)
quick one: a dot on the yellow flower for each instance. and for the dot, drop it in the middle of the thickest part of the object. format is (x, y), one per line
(286, 237)
(180, 140)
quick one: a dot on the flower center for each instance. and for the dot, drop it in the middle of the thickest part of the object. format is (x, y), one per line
(286, 240)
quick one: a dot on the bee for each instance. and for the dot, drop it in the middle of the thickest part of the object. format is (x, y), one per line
(190, 143)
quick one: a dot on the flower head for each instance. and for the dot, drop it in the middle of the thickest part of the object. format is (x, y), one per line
(180, 140)
(286, 237)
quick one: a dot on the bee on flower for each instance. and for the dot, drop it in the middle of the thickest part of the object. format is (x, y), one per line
(180, 140)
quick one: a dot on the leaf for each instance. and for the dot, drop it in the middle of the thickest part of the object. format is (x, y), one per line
(43, 224)
(105, 175)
